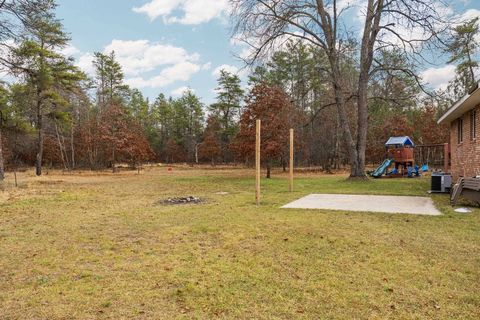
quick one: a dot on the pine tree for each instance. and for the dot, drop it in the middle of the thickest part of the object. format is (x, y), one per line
(192, 110)
(162, 114)
(227, 108)
(46, 71)
(138, 107)
(463, 49)
(109, 80)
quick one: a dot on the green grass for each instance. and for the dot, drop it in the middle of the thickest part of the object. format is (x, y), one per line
(101, 247)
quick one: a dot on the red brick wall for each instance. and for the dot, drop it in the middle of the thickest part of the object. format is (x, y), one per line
(466, 155)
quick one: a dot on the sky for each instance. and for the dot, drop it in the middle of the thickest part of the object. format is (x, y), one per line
(167, 46)
(164, 46)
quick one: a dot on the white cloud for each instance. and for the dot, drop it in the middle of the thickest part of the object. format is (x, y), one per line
(5, 50)
(207, 66)
(178, 72)
(438, 78)
(180, 91)
(6, 76)
(140, 56)
(235, 41)
(157, 8)
(470, 14)
(181, 71)
(402, 27)
(69, 51)
(342, 6)
(85, 63)
(194, 11)
(246, 47)
(224, 67)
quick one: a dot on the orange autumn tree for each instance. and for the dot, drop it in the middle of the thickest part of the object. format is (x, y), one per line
(210, 148)
(273, 107)
(429, 130)
(175, 152)
(112, 137)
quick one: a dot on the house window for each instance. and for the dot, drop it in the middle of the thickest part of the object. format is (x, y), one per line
(473, 124)
(460, 130)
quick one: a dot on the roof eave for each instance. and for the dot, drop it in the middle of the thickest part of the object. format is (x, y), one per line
(465, 104)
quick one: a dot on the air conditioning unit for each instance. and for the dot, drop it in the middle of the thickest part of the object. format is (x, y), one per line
(441, 182)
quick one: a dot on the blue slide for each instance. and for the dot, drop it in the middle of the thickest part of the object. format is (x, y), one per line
(377, 173)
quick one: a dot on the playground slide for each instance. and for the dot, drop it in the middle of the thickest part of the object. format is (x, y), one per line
(377, 173)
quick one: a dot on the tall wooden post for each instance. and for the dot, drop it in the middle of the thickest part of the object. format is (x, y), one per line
(257, 162)
(291, 162)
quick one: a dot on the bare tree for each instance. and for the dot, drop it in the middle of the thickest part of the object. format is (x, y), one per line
(407, 26)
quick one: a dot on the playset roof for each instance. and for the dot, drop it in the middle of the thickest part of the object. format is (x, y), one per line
(403, 141)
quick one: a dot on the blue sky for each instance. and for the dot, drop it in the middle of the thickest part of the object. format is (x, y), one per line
(166, 46)
(187, 53)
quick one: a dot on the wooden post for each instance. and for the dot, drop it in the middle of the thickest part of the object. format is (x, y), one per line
(257, 162)
(291, 162)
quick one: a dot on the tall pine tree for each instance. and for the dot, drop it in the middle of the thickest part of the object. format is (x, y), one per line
(44, 69)
(463, 50)
(227, 109)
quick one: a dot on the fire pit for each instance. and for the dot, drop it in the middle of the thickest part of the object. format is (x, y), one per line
(182, 200)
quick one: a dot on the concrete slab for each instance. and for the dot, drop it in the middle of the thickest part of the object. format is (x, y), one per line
(388, 204)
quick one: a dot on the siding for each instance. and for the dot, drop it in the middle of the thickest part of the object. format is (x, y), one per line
(465, 157)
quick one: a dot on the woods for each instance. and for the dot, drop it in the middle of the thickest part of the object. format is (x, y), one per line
(322, 25)
(343, 95)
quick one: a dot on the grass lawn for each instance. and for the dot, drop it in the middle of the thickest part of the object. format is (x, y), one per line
(102, 246)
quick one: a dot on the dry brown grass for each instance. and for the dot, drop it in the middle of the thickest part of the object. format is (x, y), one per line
(90, 245)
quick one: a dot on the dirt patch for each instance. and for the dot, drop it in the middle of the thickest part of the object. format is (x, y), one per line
(182, 200)
(50, 182)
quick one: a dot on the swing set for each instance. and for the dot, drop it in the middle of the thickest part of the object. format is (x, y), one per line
(434, 157)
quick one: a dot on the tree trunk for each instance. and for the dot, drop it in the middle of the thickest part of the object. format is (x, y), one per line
(67, 160)
(2, 169)
(39, 158)
(72, 148)
(113, 159)
(362, 123)
(60, 147)
(343, 120)
(470, 66)
(196, 152)
(269, 169)
(15, 158)
(336, 152)
(370, 33)
(333, 58)
(190, 149)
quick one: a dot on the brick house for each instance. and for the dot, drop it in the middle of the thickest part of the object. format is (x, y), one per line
(464, 120)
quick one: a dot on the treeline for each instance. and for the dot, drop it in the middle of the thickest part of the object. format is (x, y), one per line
(53, 114)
